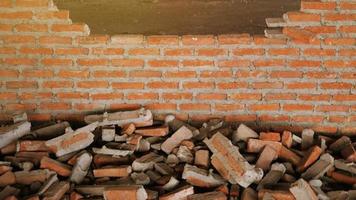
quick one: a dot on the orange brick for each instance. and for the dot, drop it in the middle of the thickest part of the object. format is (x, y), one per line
(16, 15)
(284, 52)
(20, 61)
(211, 52)
(107, 96)
(252, 73)
(211, 96)
(303, 17)
(340, 41)
(320, 75)
(142, 96)
(301, 85)
(55, 106)
(230, 39)
(163, 63)
(92, 84)
(297, 107)
(57, 84)
(231, 85)
(197, 63)
(144, 51)
(37, 73)
(192, 85)
(45, 15)
(263, 107)
(194, 106)
(268, 63)
(58, 167)
(309, 158)
(73, 74)
(262, 40)
(315, 5)
(72, 51)
(105, 74)
(20, 107)
(307, 118)
(9, 73)
(132, 192)
(21, 84)
(8, 96)
(129, 39)
(6, 3)
(161, 106)
(178, 52)
(48, 40)
(45, 51)
(57, 62)
(72, 95)
(274, 118)
(121, 171)
(177, 96)
(31, 28)
(163, 40)
(93, 39)
(68, 27)
(314, 97)
(234, 63)
(198, 40)
(286, 74)
(280, 96)
(7, 50)
(287, 139)
(243, 52)
(162, 85)
(304, 63)
(336, 85)
(265, 85)
(348, 5)
(180, 74)
(128, 85)
(319, 52)
(332, 108)
(344, 97)
(92, 62)
(339, 17)
(128, 62)
(145, 74)
(228, 107)
(246, 96)
(270, 136)
(31, 3)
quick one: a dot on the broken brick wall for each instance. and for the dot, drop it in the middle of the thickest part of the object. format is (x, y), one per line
(303, 75)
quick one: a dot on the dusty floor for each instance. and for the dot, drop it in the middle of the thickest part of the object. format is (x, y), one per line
(176, 16)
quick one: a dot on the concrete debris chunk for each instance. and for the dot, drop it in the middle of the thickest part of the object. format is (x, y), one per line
(201, 177)
(172, 142)
(231, 165)
(185, 155)
(81, 168)
(108, 133)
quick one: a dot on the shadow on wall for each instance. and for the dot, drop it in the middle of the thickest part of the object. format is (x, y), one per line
(176, 16)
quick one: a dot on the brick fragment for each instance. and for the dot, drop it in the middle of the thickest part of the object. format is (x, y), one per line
(340, 143)
(146, 162)
(153, 131)
(178, 194)
(249, 194)
(112, 171)
(273, 176)
(231, 165)
(56, 191)
(310, 157)
(349, 153)
(287, 139)
(307, 138)
(28, 177)
(319, 168)
(32, 145)
(266, 157)
(256, 146)
(288, 155)
(8, 178)
(301, 190)
(270, 136)
(202, 158)
(208, 196)
(201, 177)
(172, 142)
(60, 168)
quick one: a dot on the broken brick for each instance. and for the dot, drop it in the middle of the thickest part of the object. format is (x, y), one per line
(112, 171)
(287, 139)
(200, 177)
(154, 132)
(266, 157)
(207, 196)
(60, 168)
(172, 142)
(202, 158)
(270, 136)
(311, 156)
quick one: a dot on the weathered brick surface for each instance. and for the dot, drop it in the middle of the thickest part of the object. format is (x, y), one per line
(306, 79)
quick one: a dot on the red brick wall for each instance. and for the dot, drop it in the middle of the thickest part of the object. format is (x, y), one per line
(51, 67)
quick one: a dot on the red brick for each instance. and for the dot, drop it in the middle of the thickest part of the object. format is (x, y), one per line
(48, 40)
(211, 52)
(37, 73)
(273, 118)
(348, 5)
(163, 40)
(303, 17)
(103, 73)
(127, 39)
(301, 85)
(142, 96)
(122, 171)
(269, 63)
(6, 3)
(72, 95)
(93, 84)
(92, 62)
(161, 106)
(246, 96)
(314, 97)
(262, 40)
(230, 39)
(339, 17)
(284, 52)
(20, 107)
(231, 85)
(266, 85)
(128, 85)
(304, 63)
(127, 62)
(180, 74)
(336, 86)
(194, 106)
(270, 136)
(177, 96)
(234, 63)
(307, 118)
(344, 97)
(144, 51)
(42, 51)
(57, 84)
(198, 40)
(58, 167)
(19, 39)
(315, 5)
(73, 74)
(108, 51)
(297, 107)
(31, 3)
(286, 74)
(178, 52)
(107, 96)
(8, 73)
(88, 106)
(162, 85)
(8, 96)
(309, 158)
(263, 107)
(252, 73)
(340, 41)
(197, 63)
(347, 52)
(34, 95)
(320, 75)
(240, 118)
(280, 96)
(93, 40)
(21, 84)
(55, 106)
(57, 62)
(20, 61)
(210, 96)
(228, 107)
(145, 74)
(243, 52)
(46, 15)
(68, 27)
(72, 51)
(16, 15)
(193, 85)
(332, 108)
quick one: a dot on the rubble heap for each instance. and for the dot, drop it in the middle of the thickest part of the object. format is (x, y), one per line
(127, 155)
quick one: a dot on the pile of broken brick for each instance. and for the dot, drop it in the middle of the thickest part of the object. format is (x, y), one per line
(127, 155)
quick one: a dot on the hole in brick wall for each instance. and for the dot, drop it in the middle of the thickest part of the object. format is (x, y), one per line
(176, 17)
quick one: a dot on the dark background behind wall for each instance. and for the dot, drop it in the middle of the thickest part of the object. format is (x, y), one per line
(176, 16)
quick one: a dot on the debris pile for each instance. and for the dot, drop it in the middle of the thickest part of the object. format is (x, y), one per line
(127, 155)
